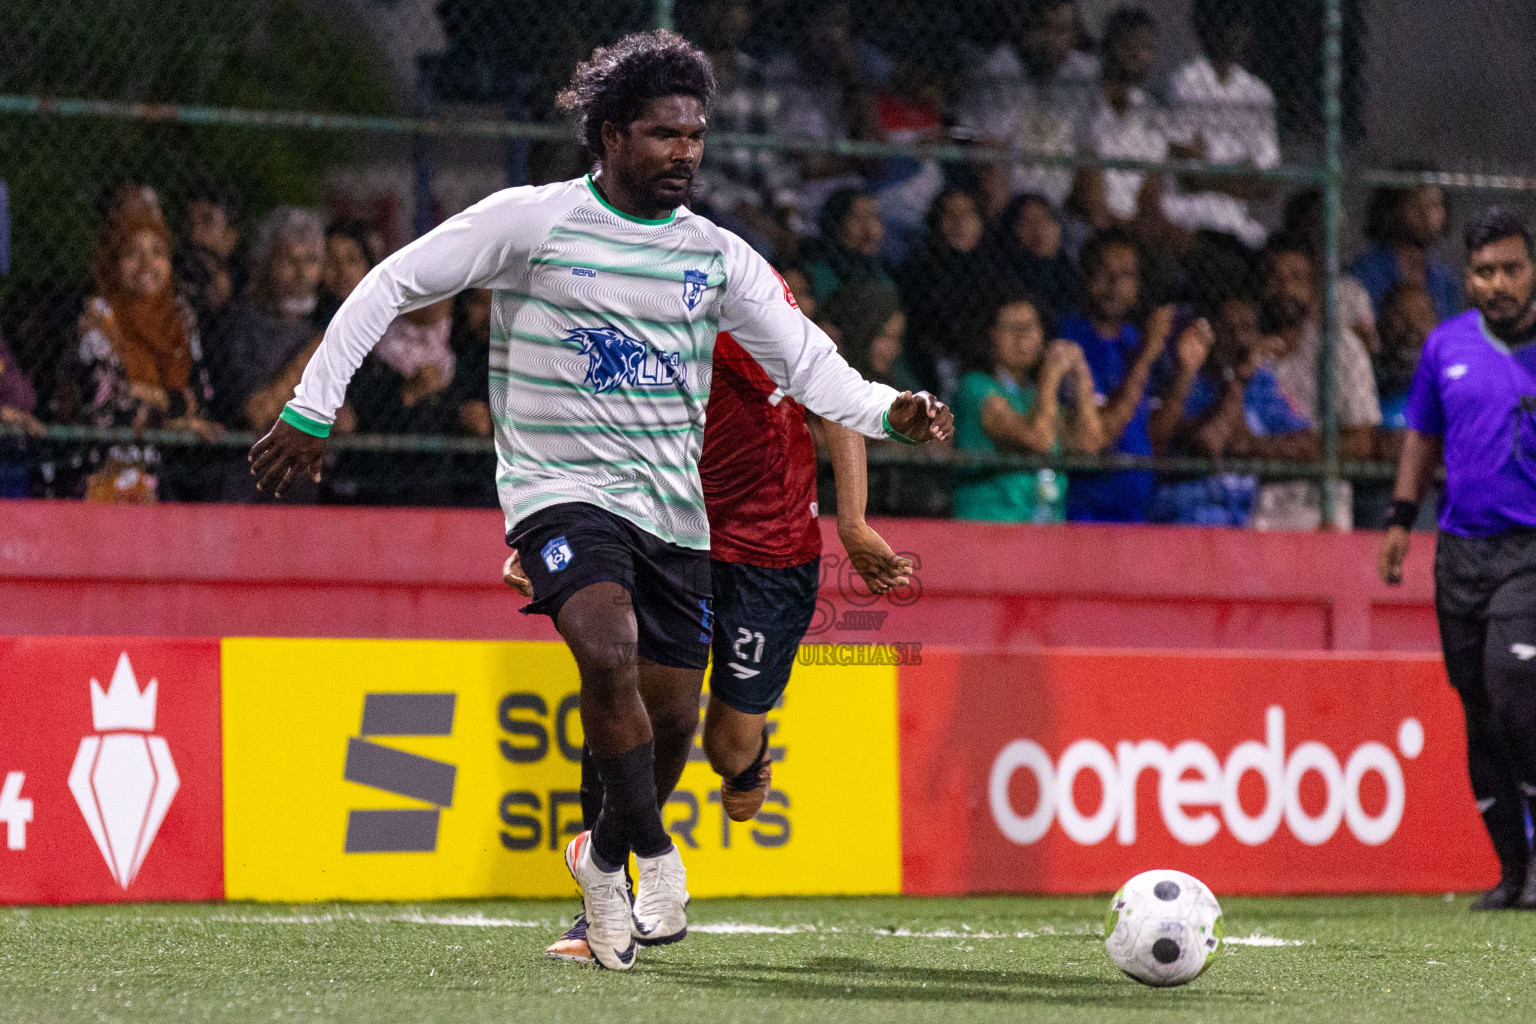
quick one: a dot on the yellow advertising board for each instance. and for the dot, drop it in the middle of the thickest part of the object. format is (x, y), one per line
(399, 769)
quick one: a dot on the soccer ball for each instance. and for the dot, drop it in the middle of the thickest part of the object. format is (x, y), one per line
(1162, 928)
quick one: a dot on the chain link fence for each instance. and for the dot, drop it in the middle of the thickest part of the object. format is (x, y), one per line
(932, 179)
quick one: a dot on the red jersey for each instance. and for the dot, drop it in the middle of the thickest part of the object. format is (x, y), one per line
(758, 467)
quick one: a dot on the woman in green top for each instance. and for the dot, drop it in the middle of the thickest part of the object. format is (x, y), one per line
(1010, 401)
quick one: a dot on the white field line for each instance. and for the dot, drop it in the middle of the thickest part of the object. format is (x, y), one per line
(450, 920)
(967, 932)
(1255, 938)
(744, 928)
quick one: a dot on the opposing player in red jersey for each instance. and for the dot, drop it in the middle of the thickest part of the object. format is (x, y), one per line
(759, 474)
(758, 468)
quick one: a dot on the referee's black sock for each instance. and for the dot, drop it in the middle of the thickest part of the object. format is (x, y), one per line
(1469, 655)
(630, 819)
(1510, 666)
(1494, 786)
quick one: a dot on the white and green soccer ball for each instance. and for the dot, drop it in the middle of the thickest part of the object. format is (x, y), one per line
(1163, 927)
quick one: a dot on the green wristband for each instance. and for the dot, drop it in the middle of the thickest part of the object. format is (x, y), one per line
(299, 421)
(891, 432)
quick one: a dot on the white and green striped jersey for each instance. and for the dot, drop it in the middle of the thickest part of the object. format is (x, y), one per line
(602, 332)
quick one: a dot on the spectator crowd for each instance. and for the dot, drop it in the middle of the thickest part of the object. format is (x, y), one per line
(1059, 307)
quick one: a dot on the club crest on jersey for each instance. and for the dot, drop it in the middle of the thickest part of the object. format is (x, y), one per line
(615, 360)
(694, 283)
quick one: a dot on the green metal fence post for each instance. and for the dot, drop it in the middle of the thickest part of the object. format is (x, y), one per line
(1333, 184)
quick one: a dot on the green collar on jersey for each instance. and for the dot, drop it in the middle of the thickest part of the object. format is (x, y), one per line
(668, 219)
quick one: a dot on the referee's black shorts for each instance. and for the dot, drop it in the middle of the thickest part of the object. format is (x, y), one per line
(1486, 577)
(1484, 584)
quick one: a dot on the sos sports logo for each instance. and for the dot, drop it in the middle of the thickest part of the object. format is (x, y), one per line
(535, 729)
(1194, 785)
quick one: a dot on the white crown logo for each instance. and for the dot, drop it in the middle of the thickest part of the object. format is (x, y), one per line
(124, 780)
(122, 706)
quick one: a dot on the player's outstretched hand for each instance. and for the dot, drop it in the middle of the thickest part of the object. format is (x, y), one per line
(285, 450)
(881, 568)
(1394, 551)
(513, 576)
(921, 417)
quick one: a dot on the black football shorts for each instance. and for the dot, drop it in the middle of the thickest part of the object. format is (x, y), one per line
(761, 616)
(568, 547)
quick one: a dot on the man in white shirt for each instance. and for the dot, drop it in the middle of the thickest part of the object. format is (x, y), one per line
(1027, 93)
(1293, 314)
(610, 294)
(1221, 113)
(1123, 122)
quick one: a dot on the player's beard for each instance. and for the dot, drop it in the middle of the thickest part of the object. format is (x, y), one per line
(669, 199)
(1512, 314)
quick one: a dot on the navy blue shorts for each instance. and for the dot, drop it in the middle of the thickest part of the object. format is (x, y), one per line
(761, 616)
(568, 547)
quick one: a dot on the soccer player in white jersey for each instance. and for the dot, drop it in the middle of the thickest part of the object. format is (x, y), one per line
(609, 294)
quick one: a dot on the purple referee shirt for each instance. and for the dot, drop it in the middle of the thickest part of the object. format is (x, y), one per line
(1468, 390)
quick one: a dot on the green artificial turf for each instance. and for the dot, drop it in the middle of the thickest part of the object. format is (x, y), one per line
(823, 960)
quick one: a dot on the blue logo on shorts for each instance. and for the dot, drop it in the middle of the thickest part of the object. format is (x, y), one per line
(557, 554)
(706, 619)
(694, 283)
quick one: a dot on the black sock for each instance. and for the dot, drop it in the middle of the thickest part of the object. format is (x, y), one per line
(1512, 692)
(1494, 786)
(630, 819)
(748, 778)
(591, 789)
(1471, 655)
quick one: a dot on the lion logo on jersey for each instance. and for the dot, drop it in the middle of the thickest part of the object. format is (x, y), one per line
(613, 357)
(615, 360)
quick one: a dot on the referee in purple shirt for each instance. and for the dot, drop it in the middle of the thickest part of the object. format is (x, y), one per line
(1473, 403)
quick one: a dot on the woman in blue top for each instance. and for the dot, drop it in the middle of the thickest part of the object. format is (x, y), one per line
(1403, 225)
(1010, 400)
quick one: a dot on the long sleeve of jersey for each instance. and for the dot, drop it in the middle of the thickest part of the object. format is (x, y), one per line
(758, 311)
(486, 246)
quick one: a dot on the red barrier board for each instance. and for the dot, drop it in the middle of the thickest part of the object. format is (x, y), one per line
(111, 775)
(324, 571)
(1071, 771)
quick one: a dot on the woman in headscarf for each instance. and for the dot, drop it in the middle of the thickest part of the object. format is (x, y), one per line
(936, 281)
(848, 248)
(866, 320)
(139, 346)
(1024, 251)
(140, 355)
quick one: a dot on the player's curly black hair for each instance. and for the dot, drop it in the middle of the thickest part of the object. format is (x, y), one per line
(616, 82)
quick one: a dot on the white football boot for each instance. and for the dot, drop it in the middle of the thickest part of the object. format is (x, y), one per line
(661, 909)
(605, 899)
